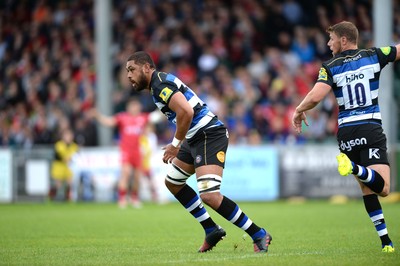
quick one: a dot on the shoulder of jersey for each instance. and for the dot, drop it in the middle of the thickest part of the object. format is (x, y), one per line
(160, 77)
(340, 59)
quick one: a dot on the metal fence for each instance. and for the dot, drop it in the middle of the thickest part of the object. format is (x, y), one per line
(307, 171)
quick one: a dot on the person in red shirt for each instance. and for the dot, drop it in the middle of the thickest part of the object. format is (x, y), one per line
(131, 125)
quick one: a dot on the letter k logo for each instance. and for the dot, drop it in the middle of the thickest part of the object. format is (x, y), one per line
(374, 153)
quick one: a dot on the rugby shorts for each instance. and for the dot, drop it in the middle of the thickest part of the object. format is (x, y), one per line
(364, 144)
(207, 147)
(131, 157)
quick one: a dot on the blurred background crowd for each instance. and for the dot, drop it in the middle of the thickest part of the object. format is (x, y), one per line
(252, 61)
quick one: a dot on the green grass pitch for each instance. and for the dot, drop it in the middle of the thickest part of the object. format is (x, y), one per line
(310, 233)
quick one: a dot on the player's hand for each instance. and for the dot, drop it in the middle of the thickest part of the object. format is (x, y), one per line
(297, 120)
(170, 152)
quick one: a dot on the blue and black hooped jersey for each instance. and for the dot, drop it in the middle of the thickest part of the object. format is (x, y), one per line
(354, 78)
(164, 85)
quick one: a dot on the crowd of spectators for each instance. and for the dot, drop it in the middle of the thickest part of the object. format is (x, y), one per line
(250, 60)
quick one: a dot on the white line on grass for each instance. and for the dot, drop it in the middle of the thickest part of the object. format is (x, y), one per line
(244, 256)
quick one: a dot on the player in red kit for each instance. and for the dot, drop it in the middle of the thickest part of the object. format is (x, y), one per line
(131, 125)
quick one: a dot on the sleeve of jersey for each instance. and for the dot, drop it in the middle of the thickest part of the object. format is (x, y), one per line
(118, 118)
(165, 92)
(386, 54)
(324, 76)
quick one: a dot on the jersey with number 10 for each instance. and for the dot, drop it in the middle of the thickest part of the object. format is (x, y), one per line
(354, 78)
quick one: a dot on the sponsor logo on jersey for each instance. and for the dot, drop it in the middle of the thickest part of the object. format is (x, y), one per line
(357, 113)
(352, 59)
(374, 152)
(386, 50)
(322, 75)
(348, 145)
(221, 156)
(165, 94)
(353, 77)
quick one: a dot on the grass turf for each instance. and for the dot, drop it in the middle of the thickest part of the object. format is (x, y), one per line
(311, 233)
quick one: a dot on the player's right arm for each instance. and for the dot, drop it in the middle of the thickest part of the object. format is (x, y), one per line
(109, 121)
(316, 95)
(398, 52)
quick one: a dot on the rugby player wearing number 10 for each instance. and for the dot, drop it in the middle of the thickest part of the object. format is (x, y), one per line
(199, 147)
(353, 75)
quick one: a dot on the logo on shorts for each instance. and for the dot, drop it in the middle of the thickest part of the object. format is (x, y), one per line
(221, 156)
(348, 145)
(374, 153)
(198, 158)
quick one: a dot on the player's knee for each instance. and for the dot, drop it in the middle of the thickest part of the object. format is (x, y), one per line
(212, 199)
(385, 191)
(209, 186)
(172, 187)
(175, 176)
(207, 198)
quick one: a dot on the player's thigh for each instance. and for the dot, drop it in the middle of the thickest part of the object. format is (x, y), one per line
(212, 149)
(184, 160)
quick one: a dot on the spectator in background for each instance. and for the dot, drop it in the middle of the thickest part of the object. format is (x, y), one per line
(47, 54)
(61, 173)
(302, 45)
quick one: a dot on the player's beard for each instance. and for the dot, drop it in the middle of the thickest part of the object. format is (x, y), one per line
(141, 84)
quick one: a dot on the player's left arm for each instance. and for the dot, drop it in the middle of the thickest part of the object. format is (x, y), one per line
(316, 95)
(184, 115)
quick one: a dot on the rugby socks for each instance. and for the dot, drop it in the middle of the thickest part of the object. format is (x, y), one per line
(192, 203)
(375, 213)
(369, 177)
(121, 194)
(231, 211)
